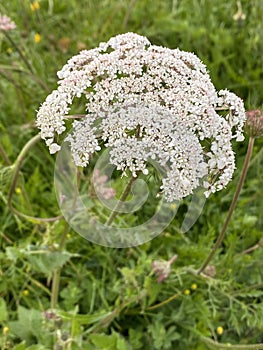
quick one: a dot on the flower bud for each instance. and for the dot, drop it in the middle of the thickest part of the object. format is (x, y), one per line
(254, 123)
(162, 268)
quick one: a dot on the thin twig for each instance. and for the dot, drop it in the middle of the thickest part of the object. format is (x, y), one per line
(231, 347)
(17, 166)
(253, 248)
(22, 56)
(4, 155)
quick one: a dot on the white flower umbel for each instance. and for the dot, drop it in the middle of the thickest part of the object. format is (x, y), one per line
(145, 101)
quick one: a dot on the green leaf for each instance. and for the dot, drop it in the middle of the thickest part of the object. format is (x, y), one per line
(47, 262)
(104, 342)
(28, 325)
(21, 346)
(135, 337)
(3, 310)
(13, 253)
(109, 342)
(121, 344)
(83, 319)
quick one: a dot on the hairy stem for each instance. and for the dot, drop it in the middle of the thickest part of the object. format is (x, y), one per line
(57, 272)
(119, 204)
(217, 345)
(232, 206)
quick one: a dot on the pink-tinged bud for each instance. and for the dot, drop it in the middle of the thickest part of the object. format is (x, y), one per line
(254, 123)
(49, 315)
(162, 268)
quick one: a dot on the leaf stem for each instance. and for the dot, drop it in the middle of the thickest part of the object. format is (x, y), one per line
(57, 272)
(119, 204)
(232, 206)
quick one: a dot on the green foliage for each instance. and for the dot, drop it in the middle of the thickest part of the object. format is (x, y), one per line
(109, 298)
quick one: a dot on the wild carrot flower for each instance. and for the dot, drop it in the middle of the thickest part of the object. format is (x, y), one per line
(6, 23)
(147, 102)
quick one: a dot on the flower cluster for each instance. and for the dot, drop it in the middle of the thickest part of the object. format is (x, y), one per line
(6, 23)
(147, 102)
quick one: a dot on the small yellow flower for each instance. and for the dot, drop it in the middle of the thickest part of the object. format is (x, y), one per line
(18, 190)
(194, 286)
(187, 292)
(220, 330)
(9, 50)
(68, 235)
(5, 330)
(35, 6)
(37, 38)
(173, 206)
(25, 292)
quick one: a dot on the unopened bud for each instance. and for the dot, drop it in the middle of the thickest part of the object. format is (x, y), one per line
(254, 123)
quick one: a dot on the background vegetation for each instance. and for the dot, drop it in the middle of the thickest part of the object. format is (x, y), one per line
(109, 298)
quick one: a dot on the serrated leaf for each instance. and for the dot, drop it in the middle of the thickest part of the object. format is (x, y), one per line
(121, 344)
(104, 342)
(28, 325)
(21, 346)
(47, 262)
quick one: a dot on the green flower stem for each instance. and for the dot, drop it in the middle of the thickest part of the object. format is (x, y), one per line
(232, 206)
(57, 272)
(119, 204)
(217, 345)
(22, 56)
(16, 168)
